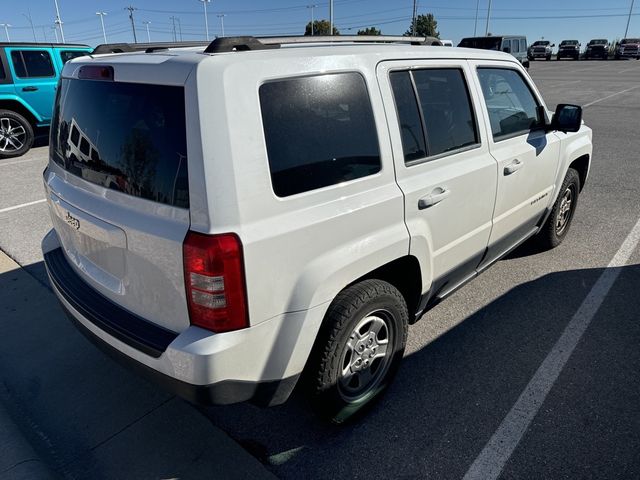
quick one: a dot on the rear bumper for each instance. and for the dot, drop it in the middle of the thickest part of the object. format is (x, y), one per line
(260, 364)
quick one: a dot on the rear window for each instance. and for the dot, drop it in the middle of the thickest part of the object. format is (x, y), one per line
(319, 131)
(124, 136)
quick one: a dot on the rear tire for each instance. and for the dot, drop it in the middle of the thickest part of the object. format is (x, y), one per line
(358, 349)
(557, 225)
(16, 134)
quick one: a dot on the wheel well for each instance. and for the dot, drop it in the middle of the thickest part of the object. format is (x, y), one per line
(17, 107)
(404, 274)
(581, 165)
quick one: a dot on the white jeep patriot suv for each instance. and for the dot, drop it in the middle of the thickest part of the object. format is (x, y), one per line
(229, 217)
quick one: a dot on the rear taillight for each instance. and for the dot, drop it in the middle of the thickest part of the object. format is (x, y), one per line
(214, 280)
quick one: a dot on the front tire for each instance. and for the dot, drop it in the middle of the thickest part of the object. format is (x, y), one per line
(16, 134)
(358, 349)
(555, 229)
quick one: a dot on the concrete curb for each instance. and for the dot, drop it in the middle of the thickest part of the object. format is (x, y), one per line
(18, 460)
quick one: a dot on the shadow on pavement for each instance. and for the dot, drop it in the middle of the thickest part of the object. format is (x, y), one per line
(448, 398)
(85, 415)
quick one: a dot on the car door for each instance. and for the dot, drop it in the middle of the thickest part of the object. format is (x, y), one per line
(527, 155)
(35, 77)
(443, 166)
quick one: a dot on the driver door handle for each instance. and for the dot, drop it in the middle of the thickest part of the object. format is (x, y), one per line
(435, 197)
(513, 167)
(29, 89)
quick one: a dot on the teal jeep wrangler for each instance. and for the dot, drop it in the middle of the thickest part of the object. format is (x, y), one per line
(29, 75)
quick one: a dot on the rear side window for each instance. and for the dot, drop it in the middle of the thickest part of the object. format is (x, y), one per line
(447, 120)
(32, 63)
(66, 55)
(513, 110)
(127, 137)
(2, 74)
(319, 131)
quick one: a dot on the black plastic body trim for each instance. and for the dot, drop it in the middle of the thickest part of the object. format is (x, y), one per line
(263, 394)
(127, 327)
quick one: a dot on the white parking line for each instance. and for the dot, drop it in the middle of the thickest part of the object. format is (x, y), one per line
(609, 96)
(15, 207)
(15, 162)
(489, 464)
(562, 84)
(628, 69)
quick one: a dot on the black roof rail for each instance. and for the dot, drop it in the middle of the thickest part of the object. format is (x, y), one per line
(143, 47)
(42, 44)
(230, 44)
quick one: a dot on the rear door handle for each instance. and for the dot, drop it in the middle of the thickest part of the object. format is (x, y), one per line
(29, 89)
(435, 197)
(513, 167)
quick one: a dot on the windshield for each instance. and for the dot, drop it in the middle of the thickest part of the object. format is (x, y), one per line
(597, 42)
(540, 43)
(484, 43)
(123, 136)
(569, 42)
(630, 40)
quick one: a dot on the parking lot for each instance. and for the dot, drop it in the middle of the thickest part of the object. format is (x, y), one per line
(456, 405)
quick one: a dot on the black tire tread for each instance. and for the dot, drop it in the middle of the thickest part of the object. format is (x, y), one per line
(547, 237)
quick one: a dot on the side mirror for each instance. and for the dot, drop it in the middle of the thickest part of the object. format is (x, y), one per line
(553, 45)
(568, 118)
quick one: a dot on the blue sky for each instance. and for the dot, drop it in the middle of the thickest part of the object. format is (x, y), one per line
(551, 19)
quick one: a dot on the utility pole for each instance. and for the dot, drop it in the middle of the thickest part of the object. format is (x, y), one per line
(414, 18)
(104, 33)
(44, 34)
(59, 22)
(475, 25)
(312, 7)
(133, 25)
(206, 20)
(179, 28)
(33, 30)
(626, 31)
(147, 23)
(173, 23)
(221, 17)
(6, 30)
(486, 30)
(330, 17)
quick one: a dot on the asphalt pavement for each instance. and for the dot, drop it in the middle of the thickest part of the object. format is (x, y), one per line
(467, 363)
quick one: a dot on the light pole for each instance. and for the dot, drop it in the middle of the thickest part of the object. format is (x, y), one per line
(104, 33)
(486, 31)
(55, 30)
(33, 30)
(626, 31)
(59, 21)
(475, 25)
(221, 17)
(330, 17)
(6, 30)
(147, 23)
(312, 7)
(206, 20)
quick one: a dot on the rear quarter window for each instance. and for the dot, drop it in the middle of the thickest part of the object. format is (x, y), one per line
(319, 131)
(32, 63)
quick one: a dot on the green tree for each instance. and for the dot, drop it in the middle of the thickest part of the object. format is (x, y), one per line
(426, 26)
(370, 31)
(320, 27)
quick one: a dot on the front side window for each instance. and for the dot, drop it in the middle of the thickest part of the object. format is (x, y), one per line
(319, 131)
(66, 55)
(447, 123)
(512, 107)
(32, 63)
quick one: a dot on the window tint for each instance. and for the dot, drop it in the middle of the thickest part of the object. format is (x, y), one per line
(319, 131)
(511, 105)
(124, 136)
(67, 55)
(32, 63)
(446, 109)
(413, 142)
(2, 74)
